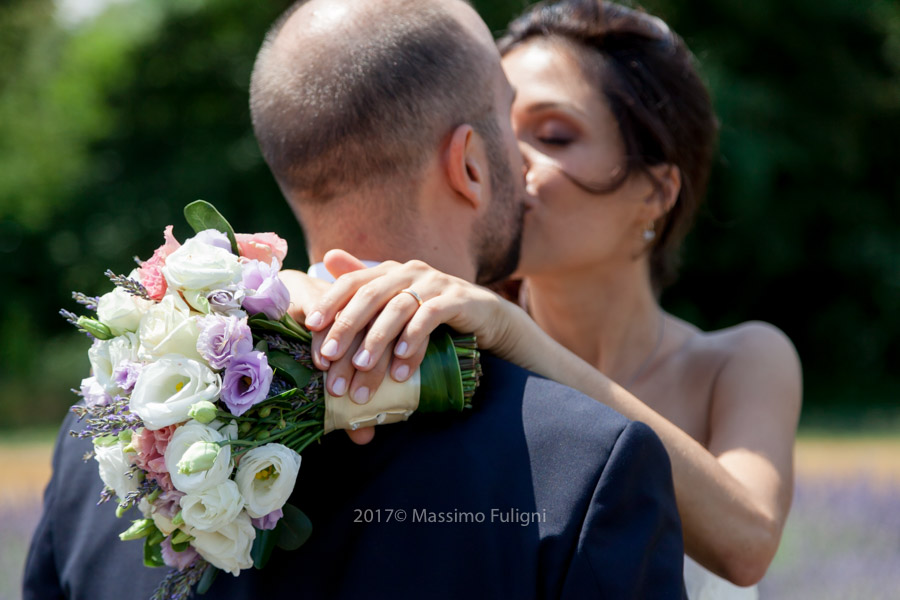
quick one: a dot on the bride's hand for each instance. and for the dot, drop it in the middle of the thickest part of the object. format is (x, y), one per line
(371, 303)
(305, 292)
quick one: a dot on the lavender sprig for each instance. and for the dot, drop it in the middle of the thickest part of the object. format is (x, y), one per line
(89, 302)
(178, 584)
(107, 420)
(132, 286)
(299, 352)
(69, 316)
(147, 487)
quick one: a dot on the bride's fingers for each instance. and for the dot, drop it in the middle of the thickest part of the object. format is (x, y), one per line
(403, 368)
(366, 383)
(361, 436)
(340, 373)
(321, 363)
(362, 309)
(339, 262)
(304, 290)
(340, 293)
(414, 339)
(381, 334)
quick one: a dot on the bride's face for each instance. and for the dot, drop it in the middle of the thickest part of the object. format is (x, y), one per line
(563, 124)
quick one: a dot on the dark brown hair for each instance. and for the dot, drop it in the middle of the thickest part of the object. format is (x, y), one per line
(650, 82)
(369, 104)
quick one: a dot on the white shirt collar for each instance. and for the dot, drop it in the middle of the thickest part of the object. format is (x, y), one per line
(318, 270)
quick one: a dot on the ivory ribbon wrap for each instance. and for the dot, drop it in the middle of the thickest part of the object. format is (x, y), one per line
(392, 403)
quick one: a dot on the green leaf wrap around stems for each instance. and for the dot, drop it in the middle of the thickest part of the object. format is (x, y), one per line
(201, 215)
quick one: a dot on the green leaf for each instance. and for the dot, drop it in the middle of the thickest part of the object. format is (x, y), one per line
(286, 363)
(263, 546)
(181, 547)
(202, 215)
(293, 529)
(152, 554)
(260, 321)
(206, 580)
(441, 379)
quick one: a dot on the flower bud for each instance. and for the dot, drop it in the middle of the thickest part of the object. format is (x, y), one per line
(95, 328)
(180, 537)
(203, 411)
(201, 456)
(178, 520)
(139, 529)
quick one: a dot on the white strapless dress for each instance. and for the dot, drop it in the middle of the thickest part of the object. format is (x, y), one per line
(702, 584)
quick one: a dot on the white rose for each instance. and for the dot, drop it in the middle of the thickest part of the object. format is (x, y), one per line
(168, 328)
(114, 469)
(183, 438)
(266, 478)
(229, 547)
(213, 508)
(165, 390)
(107, 355)
(121, 311)
(200, 266)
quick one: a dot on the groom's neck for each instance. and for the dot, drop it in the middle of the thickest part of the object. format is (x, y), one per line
(387, 235)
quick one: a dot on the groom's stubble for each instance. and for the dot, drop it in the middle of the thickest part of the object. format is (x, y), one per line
(497, 239)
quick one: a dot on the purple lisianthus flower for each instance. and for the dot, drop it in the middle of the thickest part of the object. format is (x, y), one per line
(225, 301)
(177, 560)
(93, 393)
(265, 292)
(222, 338)
(246, 382)
(168, 503)
(215, 238)
(125, 375)
(269, 521)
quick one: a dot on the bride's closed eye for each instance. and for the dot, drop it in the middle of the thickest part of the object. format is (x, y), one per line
(555, 133)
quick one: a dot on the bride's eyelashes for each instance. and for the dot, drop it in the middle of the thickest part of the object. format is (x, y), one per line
(554, 141)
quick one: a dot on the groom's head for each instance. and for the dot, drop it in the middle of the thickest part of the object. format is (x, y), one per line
(386, 125)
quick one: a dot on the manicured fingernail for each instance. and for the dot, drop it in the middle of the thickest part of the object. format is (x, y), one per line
(339, 386)
(401, 349)
(401, 372)
(362, 359)
(361, 395)
(329, 349)
(315, 320)
(325, 362)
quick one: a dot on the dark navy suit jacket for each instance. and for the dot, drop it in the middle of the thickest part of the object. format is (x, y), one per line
(538, 492)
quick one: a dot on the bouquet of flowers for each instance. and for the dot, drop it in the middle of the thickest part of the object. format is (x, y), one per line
(203, 395)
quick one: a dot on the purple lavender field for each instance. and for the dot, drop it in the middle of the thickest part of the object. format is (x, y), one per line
(842, 542)
(17, 520)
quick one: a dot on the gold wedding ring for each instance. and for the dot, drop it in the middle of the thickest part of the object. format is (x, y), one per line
(411, 293)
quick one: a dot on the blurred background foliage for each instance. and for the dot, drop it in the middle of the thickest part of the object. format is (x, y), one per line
(112, 119)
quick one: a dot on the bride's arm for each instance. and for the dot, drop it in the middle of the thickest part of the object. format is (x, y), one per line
(733, 498)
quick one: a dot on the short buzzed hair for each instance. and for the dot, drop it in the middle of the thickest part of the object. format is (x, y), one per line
(369, 108)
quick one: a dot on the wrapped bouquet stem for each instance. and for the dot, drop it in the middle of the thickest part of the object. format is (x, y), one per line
(203, 395)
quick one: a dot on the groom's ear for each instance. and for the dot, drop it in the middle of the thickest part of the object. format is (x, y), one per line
(465, 164)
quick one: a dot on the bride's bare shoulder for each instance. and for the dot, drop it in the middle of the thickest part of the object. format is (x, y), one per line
(750, 340)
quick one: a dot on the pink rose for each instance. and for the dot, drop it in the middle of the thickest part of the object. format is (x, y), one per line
(262, 247)
(151, 454)
(150, 270)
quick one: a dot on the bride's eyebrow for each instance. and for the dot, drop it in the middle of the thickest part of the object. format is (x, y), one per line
(563, 106)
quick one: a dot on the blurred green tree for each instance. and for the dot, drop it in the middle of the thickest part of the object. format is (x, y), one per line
(109, 126)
